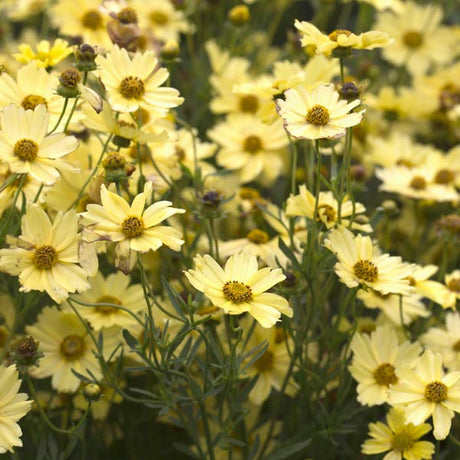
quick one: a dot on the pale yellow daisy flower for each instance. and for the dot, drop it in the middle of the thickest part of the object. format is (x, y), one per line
(46, 255)
(27, 149)
(427, 391)
(360, 264)
(399, 438)
(240, 287)
(317, 114)
(46, 54)
(375, 360)
(13, 406)
(135, 82)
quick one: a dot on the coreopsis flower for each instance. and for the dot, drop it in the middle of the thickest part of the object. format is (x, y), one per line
(13, 406)
(399, 438)
(136, 82)
(427, 391)
(445, 341)
(66, 345)
(27, 149)
(46, 255)
(46, 54)
(115, 289)
(134, 227)
(339, 39)
(240, 287)
(303, 204)
(419, 38)
(250, 147)
(360, 264)
(375, 360)
(272, 366)
(317, 114)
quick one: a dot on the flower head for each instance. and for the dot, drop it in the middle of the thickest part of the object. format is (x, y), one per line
(317, 114)
(240, 287)
(13, 406)
(46, 55)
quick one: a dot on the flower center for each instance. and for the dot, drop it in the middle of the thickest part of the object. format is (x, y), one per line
(45, 257)
(318, 115)
(73, 347)
(265, 362)
(257, 236)
(248, 193)
(92, 19)
(159, 18)
(326, 211)
(366, 271)
(449, 96)
(127, 16)
(26, 149)
(237, 292)
(132, 226)
(385, 375)
(402, 441)
(105, 309)
(3, 336)
(456, 346)
(418, 183)
(252, 144)
(436, 392)
(131, 87)
(32, 100)
(444, 176)
(454, 284)
(248, 103)
(413, 39)
(334, 35)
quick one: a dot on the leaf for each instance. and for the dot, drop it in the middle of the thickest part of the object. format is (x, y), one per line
(286, 452)
(131, 341)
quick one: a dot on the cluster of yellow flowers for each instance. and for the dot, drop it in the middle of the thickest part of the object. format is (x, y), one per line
(296, 198)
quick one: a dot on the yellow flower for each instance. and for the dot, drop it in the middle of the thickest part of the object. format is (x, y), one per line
(240, 287)
(375, 360)
(13, 406)
(361, 265)
(132, 83)
(317, 114)
(303, 204)
(427, 391)
(340, 38)
(46, 255)
(134, 227)
(66, 345)
(398, 437)
(27, 149)
(46, 55)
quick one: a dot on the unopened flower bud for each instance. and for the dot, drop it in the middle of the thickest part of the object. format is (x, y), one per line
(92, 392)
(85, 57)
(450, 225)
(211, 199)
(349, 91)
(239, 15)
(68, 83)
(24, 351)
(170, 50)
(358, 173)
(113, 160)
(127, 16)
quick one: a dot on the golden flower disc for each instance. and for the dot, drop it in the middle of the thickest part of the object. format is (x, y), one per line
(131, 87)
(237, 292)
(252, 144)
(366, 271)
(159, 18)
(456, 346)
(436, 392)
(73, 347)
(32, 100)
(26, 149)
(334, 35)
(257, 236)
(385, 375)
(402, 441)
(45, 257)
(318, 115)
(127, 15)
(248, 103)
(132, 226)
(418, 183)
(327, 211)
(92, 19)
(105, 309)
(444, 177)
(265, 362)
(454, 284)
(413, 39)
